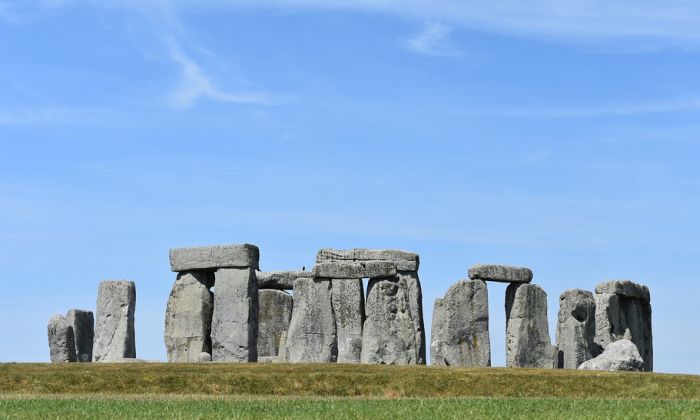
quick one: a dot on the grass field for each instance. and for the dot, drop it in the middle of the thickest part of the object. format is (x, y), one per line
(341, 391)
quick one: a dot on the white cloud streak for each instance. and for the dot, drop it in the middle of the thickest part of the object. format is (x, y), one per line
(433, 40)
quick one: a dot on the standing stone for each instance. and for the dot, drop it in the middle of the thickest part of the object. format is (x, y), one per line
(282, 355)
(349, 308)
(274, 314)
(312, 335)
(114, 326)
(83, 324)
(527, 333)
(415, 304)
(575, 328)
(234, 327)
(460, 335)
(188, 317)
(61, 340)
(620, 355)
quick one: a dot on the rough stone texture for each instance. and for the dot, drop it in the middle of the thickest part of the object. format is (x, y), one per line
(204, 357)
(405, 261)
(623, 315)
(460, 335)
(349, 308)
(527, 332)
(415, 304)
(234, 326)
(282, 355)
(213, 257)
(575, 328)
(83, 323)
(280, 280)
(624, 288)
(355, 270)
(620, 355)
(274, 314)
(312, 335)
(61, 340)
(114, 324)
(500, 273)
(188, 317)
(389, 333)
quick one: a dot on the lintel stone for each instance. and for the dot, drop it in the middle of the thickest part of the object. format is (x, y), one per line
(214, 257)
(405, 261)
(355, 270)
(500, 273)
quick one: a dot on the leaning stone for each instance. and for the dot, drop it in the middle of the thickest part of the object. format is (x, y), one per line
(234, 326)
(405, 261)
(527, 332)
(188, 316)
(204, 357)
(500, 273)
(114, 324)
(312, 335)
(620, 355)
(83, 324)
(624, 288)
(61, 340)
(575, 328)
(274, 314)
(349, 309)
(355, 270)
(460, 335)
(281, 280)
(214, 257)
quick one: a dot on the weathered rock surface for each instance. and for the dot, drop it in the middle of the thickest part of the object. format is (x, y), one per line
(620, 355)
(415, 304)
(213, 257)
(575, 328)
(234, 327)
(114, 326)
(405, 261)
(274, 315)
(624, 288)
(282, 355)
(312, 335)
(500, 273)
(280, 280)
(61, 340)
(460, 334)
(349, 309)
(188, 317)
(83, 323)
(204, 357)
(355, 270)
(527, 332)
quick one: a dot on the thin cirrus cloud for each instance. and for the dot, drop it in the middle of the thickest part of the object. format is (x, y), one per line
(433, 40)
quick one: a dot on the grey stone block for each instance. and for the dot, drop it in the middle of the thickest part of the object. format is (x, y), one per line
(214, 257)
(280, 280)
(349, 309)
(114, 325)
(460, 335)
(83, 323)
(622, 355)
(415, 304)
(500, 273)
(204, 357)
(234, 327)
(527, 332)
(575, 328)
(405, 261)
(61, 340)
(312, 335)
(274, 314)
(624, 288)
(355, 270)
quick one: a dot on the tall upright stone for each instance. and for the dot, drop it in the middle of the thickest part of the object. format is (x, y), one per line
(234, 329)
(575, 328)
(349, 309)
(312, 335)
(61, 340)
(460, 334)
(188, 316)
(274, 315)
(415, 304)
(527, 333)
(83, 323)
(114, 326)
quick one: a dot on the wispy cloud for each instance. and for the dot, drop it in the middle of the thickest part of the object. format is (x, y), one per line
(434, 40)
(628, 109)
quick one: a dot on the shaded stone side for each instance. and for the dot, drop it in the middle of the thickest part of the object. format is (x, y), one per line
(61, 340)
(83, 323)
(281, 280)
(354, 270)
(234, 327)
(188, 317)
(575, 328)
(274, 314)
(312, 335)
(527, 333)
(114, 323)
(460, 332)
(349, 309)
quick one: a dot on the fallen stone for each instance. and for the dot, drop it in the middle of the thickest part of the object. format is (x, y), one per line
(280, 280)
(355, 270)
(114, 324)
(214, 257)
(204, 357)
(405, 261)
(274, 315)
(620, 355)
(575, 328)
(312, 335)
(61, 340)
(234, 326)
(83, 324)
(500, 273)
(624, 288)
(188, 317)
(527, 331)
(460, 335)
(349, 309)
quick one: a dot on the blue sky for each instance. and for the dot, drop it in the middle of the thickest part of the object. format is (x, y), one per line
(563, 136)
